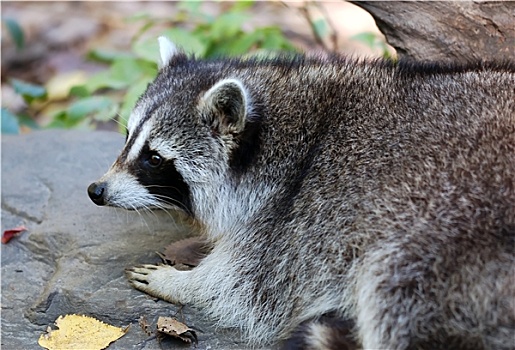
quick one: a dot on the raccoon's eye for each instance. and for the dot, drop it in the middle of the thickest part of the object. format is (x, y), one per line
(155, 160)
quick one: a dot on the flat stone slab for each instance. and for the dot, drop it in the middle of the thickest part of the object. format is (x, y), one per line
(72, 258)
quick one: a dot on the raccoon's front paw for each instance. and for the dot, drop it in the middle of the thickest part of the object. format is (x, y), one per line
(157, 280)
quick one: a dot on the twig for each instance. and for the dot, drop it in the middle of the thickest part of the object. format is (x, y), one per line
(332, 28)
(304, 10)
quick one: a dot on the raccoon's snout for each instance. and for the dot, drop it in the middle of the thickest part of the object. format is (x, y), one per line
(96, 192)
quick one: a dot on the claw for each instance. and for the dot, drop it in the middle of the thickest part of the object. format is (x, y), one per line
(155, 280)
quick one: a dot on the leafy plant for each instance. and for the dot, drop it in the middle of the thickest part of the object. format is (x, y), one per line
(15, 31)
(10, 123)
(28, 91)
(375, 42)
(325, 33)
(112, 93)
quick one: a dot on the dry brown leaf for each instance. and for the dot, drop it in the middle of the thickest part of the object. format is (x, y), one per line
(80, 332)
(176, 329)
(189, 252)
(143, 323)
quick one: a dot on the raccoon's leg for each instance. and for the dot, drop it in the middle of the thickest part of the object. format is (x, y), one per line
(199, 286)
(161, 281)
(399, 299)
(423, 297)
(325, 333)
(388, 309)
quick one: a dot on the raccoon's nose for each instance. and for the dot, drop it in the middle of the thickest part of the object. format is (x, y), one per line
(96, 192)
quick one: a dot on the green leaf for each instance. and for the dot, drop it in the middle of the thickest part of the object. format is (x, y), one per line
(28, 91)
(189, 42)
(25, 120)
(107, 114)
(321, 28)
(149, 49)
(241, 5)
(16, 32)
(10, 124)
(273, 40)
(122, 73)
(149, 24)
(103, 80)
(190, 6)
(373, 41)
(79, 91)
(227, 25)
(191, 11)
(367, 38)
(131, 70)
(132, 95)
(107, 56)
(100, 105)
(245, 43)
(60, 121)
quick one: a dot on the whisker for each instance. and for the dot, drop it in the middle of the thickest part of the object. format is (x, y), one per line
(122, 117)
(174, 202)
(114, 119)
(169, 199)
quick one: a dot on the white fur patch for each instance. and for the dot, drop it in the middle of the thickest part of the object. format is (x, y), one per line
(218, 85)
(139, 142)
(135, 118)
(164, 147)
(207, 99)
(166, 50)
(124, 191)
(317, 337)
(223, 82)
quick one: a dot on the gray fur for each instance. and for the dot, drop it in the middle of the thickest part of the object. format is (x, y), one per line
(380, 193)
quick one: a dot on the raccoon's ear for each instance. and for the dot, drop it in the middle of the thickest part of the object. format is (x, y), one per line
(167, 51)
(226, 105)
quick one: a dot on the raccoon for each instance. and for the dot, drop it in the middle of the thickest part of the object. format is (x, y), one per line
(349, 202)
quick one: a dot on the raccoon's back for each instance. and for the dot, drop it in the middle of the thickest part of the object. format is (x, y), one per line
(387, 147)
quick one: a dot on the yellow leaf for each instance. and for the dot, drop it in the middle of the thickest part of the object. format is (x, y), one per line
(59, 86)
(80, 332)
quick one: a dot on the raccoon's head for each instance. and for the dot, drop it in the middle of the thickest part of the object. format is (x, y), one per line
(182, 136)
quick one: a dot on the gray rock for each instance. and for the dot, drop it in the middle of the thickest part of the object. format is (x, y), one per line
(447, 31)
(72, 258)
